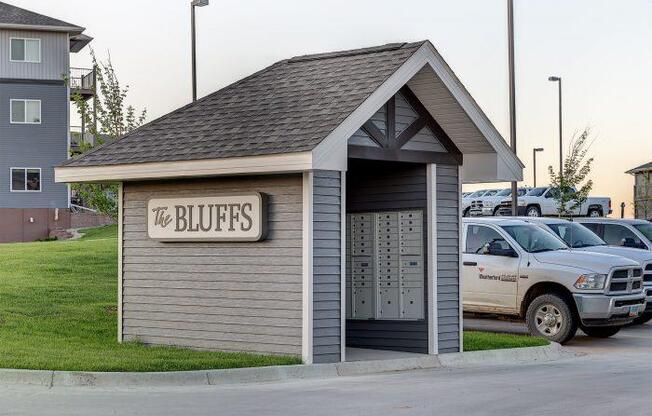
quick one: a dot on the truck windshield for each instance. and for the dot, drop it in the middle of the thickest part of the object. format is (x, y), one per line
(477, 193)
(536, 191)
(645, 229)
(576, 235)
(533, 239)
(504, 192)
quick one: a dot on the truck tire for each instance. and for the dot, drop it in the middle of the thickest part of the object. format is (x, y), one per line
(601, 331)
(643, 319)
(594, 213)
(466, 212)
(533, 211)
(550, 316)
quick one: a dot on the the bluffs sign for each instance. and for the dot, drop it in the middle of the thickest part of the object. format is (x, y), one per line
(210, 218)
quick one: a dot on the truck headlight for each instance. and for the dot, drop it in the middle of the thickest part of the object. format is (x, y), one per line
(521, 203)
(592, 281)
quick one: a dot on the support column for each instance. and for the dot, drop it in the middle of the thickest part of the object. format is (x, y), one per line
(431, 278)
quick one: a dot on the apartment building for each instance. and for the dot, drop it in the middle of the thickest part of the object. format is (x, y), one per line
(35, 119)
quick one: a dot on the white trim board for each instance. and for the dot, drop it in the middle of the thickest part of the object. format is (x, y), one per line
(433, 315)
(343, 266)
(120, 260)
(307, 299)
(284, 163)
(459, 256)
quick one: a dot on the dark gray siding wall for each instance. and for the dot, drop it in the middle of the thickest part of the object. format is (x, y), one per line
(326, 266)
(242, 296)
(34, 145)
(448, 258)
(55, 56)
(381, 186)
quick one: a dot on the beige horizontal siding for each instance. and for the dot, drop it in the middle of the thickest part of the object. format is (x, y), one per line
(220, 296)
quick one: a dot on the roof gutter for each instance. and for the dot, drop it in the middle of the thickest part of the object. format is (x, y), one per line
(43, 28)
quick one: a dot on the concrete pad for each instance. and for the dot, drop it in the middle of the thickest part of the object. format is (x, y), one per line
(10, 376)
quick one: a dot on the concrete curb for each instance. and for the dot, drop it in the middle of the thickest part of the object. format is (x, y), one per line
(50, 379)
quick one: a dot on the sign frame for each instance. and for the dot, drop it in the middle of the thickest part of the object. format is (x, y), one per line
(263, 200)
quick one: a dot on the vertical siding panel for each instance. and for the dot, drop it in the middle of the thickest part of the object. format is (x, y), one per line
(326, 269)
(55, 56)
(448, 264)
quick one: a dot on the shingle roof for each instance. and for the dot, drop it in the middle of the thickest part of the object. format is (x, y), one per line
(12, 15)
(642, 168)
(288, 107)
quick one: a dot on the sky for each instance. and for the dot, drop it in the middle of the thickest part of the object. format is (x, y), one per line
(600, 48)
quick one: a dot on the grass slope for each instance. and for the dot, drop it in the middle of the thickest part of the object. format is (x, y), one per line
(57, 312)
(476, 341)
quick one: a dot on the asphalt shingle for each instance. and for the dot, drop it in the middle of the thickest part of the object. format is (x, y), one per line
(289, 107)
(12, 15)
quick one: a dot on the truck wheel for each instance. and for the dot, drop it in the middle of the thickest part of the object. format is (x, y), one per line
(551, 317)
(533, 211)
(644, 318)
(601, 331)
(466, 212)
(496, 214)
(594, 212)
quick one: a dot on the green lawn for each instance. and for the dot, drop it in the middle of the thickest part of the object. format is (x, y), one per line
(58, 312)
(477, 341)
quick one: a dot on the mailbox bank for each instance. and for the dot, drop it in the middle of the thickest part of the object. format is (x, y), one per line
(311, 206)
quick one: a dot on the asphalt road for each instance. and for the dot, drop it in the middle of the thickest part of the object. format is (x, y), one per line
(614, 377)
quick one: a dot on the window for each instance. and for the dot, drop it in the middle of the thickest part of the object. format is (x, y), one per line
(576, 235)
(645, 229)
(25, 179)
(533, 239)
(480, 238)
(25, 111)
(536, 191)
(25, 50)
(619, 235)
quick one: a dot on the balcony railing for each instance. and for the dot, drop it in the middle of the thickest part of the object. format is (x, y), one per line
(82, 81)
(77, 138)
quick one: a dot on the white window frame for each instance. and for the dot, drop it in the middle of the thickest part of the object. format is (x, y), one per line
(25, 61)
(11, 182)
(25, 100)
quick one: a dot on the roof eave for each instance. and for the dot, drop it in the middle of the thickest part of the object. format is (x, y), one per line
(73, 30)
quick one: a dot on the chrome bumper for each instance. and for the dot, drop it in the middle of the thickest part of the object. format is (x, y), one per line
(602, 310)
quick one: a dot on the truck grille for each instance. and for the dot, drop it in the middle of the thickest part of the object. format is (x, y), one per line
(504, 209)
(647, 274)
(624, 281)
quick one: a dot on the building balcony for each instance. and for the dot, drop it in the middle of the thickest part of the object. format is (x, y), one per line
(83, 82)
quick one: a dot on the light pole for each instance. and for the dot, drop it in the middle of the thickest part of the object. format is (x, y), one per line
(561, 160)
(534, 163)
(193, 4)
(512, 95)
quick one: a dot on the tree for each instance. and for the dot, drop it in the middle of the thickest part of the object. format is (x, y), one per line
(108, 118)
(571, 187)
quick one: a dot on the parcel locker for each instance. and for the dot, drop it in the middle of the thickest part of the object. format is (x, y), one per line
(386, 254)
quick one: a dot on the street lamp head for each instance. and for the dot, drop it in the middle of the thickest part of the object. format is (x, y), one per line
(538, 149)
(553, 78)
(199, 3)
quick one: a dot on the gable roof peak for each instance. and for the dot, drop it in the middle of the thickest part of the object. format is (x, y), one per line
(16, 17)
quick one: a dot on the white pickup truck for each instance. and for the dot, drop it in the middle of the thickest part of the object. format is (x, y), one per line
(512, 267)
(579, 237)
(541, 202)
(488, 206)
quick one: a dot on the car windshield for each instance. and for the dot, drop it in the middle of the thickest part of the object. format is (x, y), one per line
(491, 192)
(576, 235)
(645, 229)
(533, 239)
(536, 192)
(477, 193)
(504, 192)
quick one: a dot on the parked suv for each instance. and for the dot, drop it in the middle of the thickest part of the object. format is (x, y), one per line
(487, 206)
(579, 237)
(512, 267)
(540, 202)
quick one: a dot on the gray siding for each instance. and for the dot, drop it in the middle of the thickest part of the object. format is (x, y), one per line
(55, 56)
(35, 146)
(382, 186)
(448, 258)
(326, 267)
(220, 296)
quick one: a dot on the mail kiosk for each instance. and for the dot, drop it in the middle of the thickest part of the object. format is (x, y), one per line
(311, 207)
